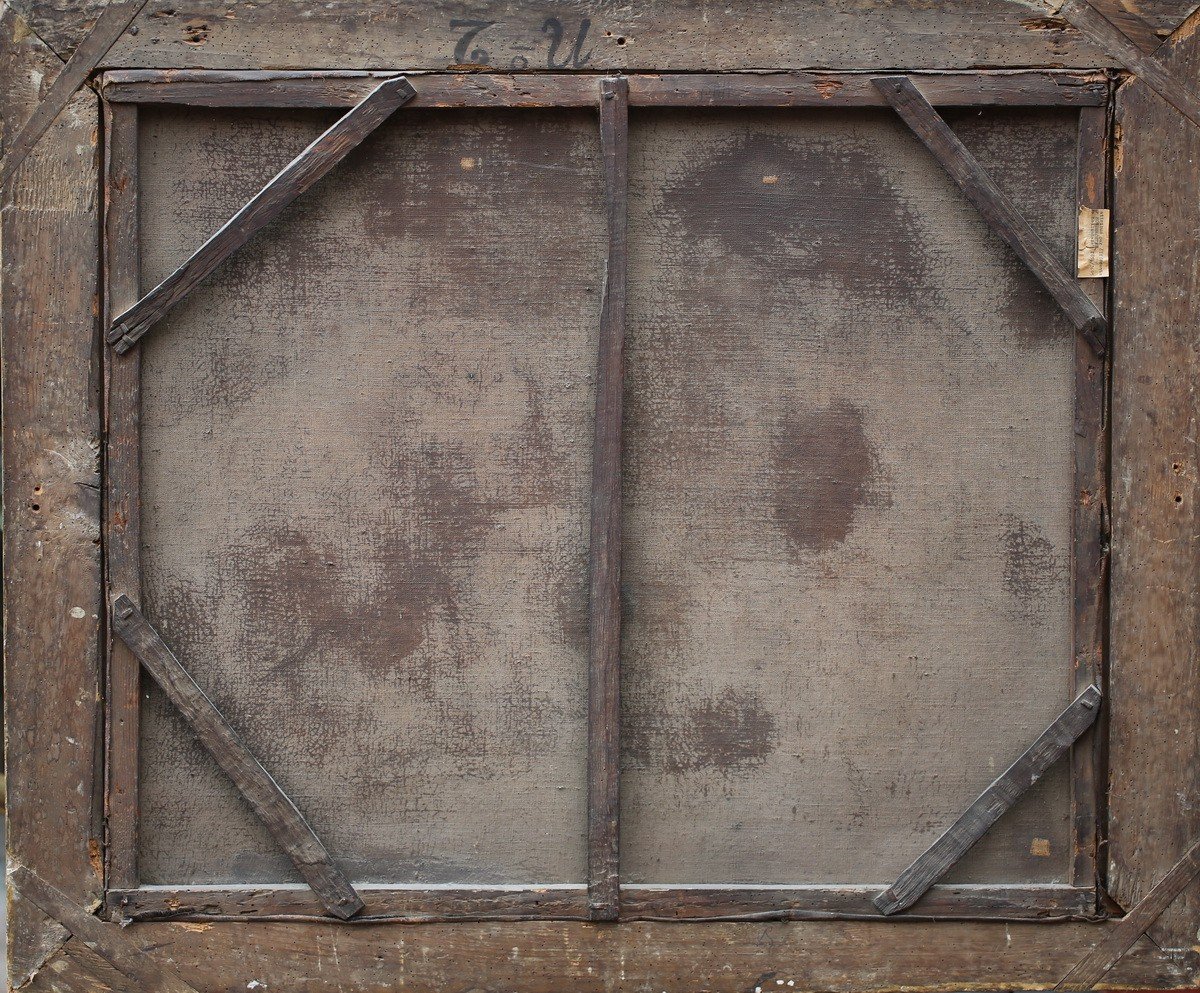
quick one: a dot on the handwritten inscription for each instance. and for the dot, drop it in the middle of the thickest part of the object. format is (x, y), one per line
(559, 47)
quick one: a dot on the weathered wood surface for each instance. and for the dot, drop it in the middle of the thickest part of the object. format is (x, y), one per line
(992, 804)
(292, 181)
(122, 487)
(1155, 697)
(115, 19)
(48, 319)
(1093, 967)
(270, 804)
(1090, 520)
(995, 207)
(717, 957)
(1179, 93)
(386, 582)
(769, 89)
(104, 938)
(638, 903)
(604, 654)
(1143, 30)
(505, 34)
(822, 525)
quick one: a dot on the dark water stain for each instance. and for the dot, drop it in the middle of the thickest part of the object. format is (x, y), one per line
(501, 208)
(1033, 571)
(315, 586)
(827, 203)
(730, 732)
(179, 611)
(826, 470)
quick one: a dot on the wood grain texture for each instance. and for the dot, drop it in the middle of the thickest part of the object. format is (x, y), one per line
(109, 27)
(106, 939)
(992, 804)
(504, 35)
(722, 958)
(122, 482)
(1090, 522)
(1094, 966)
(1180, 93)
(415, 904)
(822, 525)
(604, 654)
(270, 804)
(1167, 16)
(996, 208)
(1132, 25)
(266, 205)
(75, 968)
(386, 583)
(213, 88)
(1155, 701)
(51, 430)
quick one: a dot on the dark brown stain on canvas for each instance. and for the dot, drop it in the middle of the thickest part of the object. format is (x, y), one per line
(729, 732)
(1033, 571)
(826, 472)
(802, 206)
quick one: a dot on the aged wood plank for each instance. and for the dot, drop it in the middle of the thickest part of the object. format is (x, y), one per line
(1154, 702)
(108, 28)
(996, 208)
(51, 429)
(1089, 514)
(269, 802)
(212, 88)
(1161, 80)
(604, 656)
(291, 182)
(122, 481)
(106, 939)
(1138, 30)
(502, 34)
(416, 904)
(1094, 966)
(408, 904)
(75, 968)
(992, 804)
(548, 957)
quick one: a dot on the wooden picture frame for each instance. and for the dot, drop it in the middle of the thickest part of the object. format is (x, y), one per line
(68, 272)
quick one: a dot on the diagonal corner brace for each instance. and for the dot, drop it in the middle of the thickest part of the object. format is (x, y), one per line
(107, 940)
(1105, 955)
(294, 179)
(978, 818)
(105, 33)
(997, 209)
(1083, 16)
(268, 801)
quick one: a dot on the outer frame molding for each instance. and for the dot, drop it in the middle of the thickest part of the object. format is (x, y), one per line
(51, 422)
(49, 301)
